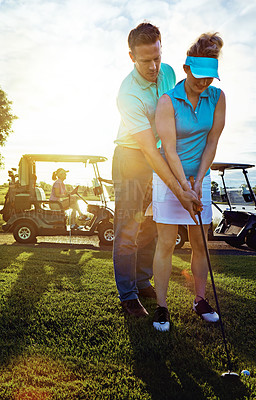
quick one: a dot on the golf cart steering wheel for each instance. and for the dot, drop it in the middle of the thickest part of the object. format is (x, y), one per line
(74, 191)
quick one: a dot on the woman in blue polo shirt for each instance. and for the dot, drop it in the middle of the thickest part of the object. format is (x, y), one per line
(189, 122)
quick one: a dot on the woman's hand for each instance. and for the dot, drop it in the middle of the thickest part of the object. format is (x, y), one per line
(198, 189)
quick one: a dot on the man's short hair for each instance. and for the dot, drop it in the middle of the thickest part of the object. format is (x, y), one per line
(144, 33)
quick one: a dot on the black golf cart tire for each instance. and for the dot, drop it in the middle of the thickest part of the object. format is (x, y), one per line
(181, 237)
(106, 233)
(24, 232)
(251, 239)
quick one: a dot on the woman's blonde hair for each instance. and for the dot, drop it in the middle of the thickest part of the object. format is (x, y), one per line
(207, 45)
(55, 174)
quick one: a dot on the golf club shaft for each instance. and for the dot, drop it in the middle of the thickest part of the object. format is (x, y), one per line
(191, 179)
(69, 227)
(69, 220)
(214, 289)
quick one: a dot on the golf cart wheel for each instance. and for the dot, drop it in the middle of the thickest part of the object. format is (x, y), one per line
(106, 233)
(24, 232)
(181, 237)
(251, 239)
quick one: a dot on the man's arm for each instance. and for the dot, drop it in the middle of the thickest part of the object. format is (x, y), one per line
(147, 143)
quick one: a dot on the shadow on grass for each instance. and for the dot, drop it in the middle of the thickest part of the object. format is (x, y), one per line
(65, 246)
(237, 305)
(243, 266)
(62, 246)
(176, 364)
(171, 367)
(236, 251)
(36, 270)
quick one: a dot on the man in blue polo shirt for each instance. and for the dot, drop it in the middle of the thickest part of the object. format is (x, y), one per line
(135, 156)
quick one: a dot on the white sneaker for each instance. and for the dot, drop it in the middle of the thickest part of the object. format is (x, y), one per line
(205, 311)
(162, 319)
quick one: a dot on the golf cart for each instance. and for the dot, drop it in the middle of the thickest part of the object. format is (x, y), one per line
(27, 212)
(237, 227)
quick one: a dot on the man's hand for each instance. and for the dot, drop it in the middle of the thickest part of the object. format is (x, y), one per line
(190, 202)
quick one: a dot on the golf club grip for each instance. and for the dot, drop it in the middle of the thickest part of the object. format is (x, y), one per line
(192, 182)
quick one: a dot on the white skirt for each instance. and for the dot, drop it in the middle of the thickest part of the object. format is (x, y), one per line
(167, 209)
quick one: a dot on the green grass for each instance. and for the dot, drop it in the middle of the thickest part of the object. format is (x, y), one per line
(63, 335)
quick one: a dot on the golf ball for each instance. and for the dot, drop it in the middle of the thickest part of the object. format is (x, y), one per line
(245, 372)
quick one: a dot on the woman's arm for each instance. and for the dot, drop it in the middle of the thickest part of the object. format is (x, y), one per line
(147, 143)
(212, 142)
(166, 129)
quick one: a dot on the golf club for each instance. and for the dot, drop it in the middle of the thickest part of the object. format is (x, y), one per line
(69, 221)
(229, 374)
(69, 217)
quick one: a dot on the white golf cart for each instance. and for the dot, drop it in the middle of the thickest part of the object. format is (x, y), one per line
(237, 223)
(237, 226)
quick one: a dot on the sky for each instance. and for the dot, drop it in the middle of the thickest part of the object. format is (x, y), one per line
(62, 62)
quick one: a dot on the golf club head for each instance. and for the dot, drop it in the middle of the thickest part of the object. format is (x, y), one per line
(232, 376)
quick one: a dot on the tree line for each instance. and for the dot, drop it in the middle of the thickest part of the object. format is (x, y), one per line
(6, 120)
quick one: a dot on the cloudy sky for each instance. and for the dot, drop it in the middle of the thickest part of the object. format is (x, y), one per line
(62, 62)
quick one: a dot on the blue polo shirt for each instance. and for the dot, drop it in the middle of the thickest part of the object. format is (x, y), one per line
(137, 100)
(192, 126)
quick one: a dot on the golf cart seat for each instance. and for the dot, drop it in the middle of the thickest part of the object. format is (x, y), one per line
(44, 203)
(232, 223)
(24, 201)
(40, 194)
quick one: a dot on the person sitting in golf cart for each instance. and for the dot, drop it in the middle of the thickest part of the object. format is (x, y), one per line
(67, 199)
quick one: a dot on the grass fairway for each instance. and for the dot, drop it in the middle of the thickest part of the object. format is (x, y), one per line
(63, 335)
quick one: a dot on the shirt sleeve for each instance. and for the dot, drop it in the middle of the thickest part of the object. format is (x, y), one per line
(132, 113)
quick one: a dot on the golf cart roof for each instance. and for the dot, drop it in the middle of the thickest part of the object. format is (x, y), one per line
(65, 158)
(216, 166)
